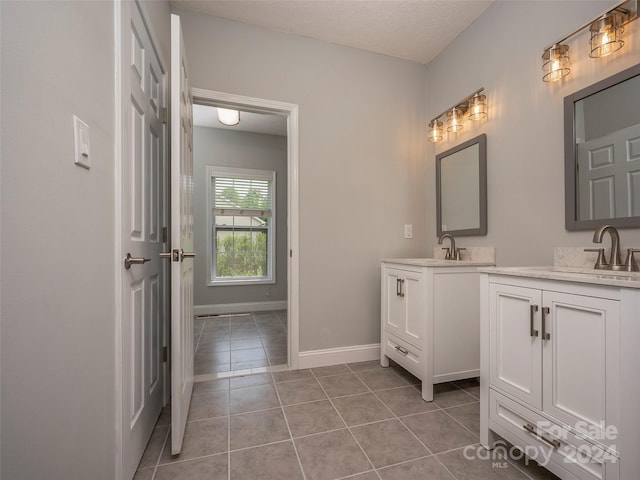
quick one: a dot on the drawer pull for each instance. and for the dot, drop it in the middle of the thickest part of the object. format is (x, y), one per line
(532, 430)
(403, 351)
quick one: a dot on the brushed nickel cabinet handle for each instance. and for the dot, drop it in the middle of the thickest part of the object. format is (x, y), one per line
(545, 335)
(402, 287)
(403, 351)
(532, 430)
(532, 311)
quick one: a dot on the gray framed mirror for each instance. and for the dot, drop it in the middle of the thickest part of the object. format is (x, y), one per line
(461, 188)
(602, 153)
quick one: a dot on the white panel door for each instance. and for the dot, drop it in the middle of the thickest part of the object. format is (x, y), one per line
(181, 238)
(143, 157)
(515, 350)
(609, 175)
(581, 363)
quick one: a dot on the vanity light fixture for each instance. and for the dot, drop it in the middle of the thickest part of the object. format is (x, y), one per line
(475, 105)
(228, 117)
(606, 35)
(606, 32)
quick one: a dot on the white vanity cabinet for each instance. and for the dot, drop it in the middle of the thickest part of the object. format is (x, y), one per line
(430, 319)
(554, 353)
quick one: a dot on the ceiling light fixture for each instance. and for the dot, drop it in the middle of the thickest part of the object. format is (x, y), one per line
(476, 107)
(606, 32)
(228, 117)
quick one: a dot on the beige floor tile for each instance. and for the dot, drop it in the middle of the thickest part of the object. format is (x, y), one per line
(300, 391)
(448, 395)
(427, 468)
(251, 381)
(206, 437)
(146, 474)
(208, 405)
(467, 415)
(405, 401)
(388, 442)
(209, 386)
(154, 447)
(438, 431)
(253, 398)
(340, 385)
(200, 469)
(291, 375)
(362, 408)
(331, 455)
(475, 469)
(258, 428)
(361, 366)
(277, 461)
(381, 379)
(314, 417)
(365, 476)
(243, 343)
(330, 370)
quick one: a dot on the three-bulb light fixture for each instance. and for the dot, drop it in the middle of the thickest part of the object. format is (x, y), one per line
(473, 106)
(606, 38)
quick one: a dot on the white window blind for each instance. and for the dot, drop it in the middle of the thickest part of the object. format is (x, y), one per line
(238, 196)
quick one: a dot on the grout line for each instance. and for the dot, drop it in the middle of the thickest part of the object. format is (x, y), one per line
(346, 425)
(164, 445)
(286, 421)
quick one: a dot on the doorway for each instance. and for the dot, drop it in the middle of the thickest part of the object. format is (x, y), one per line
(246, 235)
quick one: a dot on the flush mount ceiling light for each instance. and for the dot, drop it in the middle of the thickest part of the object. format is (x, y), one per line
(476, 107)
(606, 32)
(228, 117)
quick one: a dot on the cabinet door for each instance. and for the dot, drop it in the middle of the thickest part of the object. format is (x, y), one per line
(414, 299)
(393, 307)
(581, 363)
(515, 358)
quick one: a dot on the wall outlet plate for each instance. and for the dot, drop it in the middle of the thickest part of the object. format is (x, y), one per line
(408, 230)
(81, 143)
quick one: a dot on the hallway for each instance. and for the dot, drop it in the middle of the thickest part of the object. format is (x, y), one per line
(355, 421)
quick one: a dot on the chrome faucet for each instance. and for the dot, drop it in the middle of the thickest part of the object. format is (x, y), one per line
(615, 263)
(453, 253)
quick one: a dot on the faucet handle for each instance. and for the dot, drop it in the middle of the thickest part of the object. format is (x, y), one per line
(457, 256)
(447, 256)
(601, 263)
(630, 264)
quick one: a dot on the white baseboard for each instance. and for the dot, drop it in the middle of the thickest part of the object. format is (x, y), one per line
(336, 356)
(223, 308)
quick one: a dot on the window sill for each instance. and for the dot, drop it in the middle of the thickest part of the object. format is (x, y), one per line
(240, 282)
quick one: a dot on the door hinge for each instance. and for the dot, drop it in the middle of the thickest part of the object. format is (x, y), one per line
(290, 253)
(165, 234)
(163, 115)
(165, 354)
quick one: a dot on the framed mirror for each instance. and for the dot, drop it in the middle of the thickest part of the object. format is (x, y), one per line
(602, 153)
(461, 188)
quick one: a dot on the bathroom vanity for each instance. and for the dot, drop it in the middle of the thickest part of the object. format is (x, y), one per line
(430, 321)
(560, 353)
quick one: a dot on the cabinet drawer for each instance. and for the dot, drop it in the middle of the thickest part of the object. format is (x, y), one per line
(542, 439)
(403, 354)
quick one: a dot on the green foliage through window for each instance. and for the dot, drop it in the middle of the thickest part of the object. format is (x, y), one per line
(241, 254)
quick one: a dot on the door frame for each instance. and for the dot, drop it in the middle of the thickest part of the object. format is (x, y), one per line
(222, 99)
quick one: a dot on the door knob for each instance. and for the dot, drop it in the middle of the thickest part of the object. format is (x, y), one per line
(129, 260)
(173, 255)
(184, 255)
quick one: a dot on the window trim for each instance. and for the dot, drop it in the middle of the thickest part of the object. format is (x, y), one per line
(248, 173)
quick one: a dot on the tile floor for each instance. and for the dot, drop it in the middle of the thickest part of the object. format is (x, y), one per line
(356, 421)
(240, 342)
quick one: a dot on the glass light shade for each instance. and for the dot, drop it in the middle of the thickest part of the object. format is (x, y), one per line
(228, 117)
(477, 107)
(556, 63)
(606, 34)
(454, 120)
(435, 131)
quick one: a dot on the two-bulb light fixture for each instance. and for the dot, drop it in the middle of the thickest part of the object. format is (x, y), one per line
(228, 117)
(606, 38)
(474, 107)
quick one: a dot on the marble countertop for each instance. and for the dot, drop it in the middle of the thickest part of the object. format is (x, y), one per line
(571, 274)
(437, 262)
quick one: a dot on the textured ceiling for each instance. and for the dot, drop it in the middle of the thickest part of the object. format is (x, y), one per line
(414, 30)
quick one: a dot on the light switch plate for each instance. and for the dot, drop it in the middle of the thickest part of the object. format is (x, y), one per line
(81, 143)
(408, 230)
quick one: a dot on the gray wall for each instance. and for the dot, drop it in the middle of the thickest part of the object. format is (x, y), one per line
(362, 169)
(525, 156)
(216, 147)
(57, 243)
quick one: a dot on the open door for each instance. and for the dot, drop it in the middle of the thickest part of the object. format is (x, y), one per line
(181, 254)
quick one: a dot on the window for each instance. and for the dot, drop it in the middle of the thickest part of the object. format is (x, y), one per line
(242, 229)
